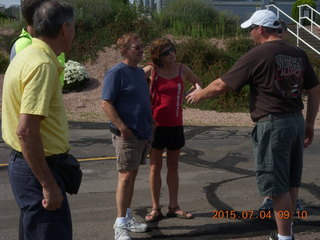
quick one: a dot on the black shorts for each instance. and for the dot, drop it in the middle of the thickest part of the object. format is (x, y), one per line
(171, 138)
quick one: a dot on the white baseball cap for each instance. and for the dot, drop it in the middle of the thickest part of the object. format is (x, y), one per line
(265, 18)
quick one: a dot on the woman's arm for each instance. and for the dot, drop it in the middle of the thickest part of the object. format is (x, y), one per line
(189, 76)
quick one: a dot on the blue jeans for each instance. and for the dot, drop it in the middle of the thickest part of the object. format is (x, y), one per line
(37, 223)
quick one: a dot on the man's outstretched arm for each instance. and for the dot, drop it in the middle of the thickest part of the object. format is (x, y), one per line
(214, 89)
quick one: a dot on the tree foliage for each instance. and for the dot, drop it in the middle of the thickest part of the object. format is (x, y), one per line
(295, 9)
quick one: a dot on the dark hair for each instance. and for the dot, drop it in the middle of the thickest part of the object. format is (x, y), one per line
(272, 30)
(283, 28)
(50, 16)
(157, 47)
(28, 7)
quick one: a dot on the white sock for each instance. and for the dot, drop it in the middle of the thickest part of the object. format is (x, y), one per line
(280, 237)
(121, 221)
(129, 213)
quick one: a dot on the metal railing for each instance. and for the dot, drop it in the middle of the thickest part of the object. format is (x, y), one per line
(313, 11)
(298, 27)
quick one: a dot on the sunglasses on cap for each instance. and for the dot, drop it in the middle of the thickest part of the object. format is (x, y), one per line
(253, 26)
(167, 52)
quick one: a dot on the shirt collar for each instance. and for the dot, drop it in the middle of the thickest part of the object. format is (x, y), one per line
(36, 42)
(25, 33)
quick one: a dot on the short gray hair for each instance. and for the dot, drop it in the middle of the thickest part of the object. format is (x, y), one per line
(50, 16)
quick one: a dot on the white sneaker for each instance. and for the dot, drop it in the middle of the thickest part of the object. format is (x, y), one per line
(134, 226)
(121, 232)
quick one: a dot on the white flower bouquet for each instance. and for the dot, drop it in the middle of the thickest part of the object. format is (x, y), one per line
(75, 75)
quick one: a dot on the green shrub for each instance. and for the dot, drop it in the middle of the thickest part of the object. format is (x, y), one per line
(147, 29)
(96, 14)
(98, 24)
(200, 56)
(295, 9)
(209, 63)
(102, 22)
(4, 62)
(238, 46)
(189, 11)
(3, 15)
(12, 23)
(197, 19)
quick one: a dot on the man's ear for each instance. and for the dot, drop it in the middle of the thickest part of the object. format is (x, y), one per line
(30, 30)
(123, 52)
(64, 29)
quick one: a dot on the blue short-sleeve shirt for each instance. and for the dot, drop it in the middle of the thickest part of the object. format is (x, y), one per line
(126, 87)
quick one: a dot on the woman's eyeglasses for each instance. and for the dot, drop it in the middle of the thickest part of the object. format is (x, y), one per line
(167, 52)
(137, 47)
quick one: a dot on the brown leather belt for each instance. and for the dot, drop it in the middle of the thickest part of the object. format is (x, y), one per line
(277, 116)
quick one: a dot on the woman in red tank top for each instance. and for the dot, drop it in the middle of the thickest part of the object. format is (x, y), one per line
(167, 93)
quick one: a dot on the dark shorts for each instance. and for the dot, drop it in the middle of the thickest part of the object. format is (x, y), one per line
(278, 153)
(35, 221)
(131, 153)
(171, 138)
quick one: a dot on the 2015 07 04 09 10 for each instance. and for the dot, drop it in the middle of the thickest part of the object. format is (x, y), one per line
(250, 214)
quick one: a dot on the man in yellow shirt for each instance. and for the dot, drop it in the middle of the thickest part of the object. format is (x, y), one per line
(34, 124)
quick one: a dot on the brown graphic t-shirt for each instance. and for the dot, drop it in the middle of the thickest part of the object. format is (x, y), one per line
(276, 73)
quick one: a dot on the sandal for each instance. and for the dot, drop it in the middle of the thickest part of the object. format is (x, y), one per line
(177, 212)
(155, 217)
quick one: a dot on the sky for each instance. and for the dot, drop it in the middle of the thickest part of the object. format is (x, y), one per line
(8, 3)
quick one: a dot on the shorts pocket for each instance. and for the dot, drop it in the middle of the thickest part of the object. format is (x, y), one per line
(261, 136)
(129, 153)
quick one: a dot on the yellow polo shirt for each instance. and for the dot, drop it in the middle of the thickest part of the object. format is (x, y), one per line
(31, 86)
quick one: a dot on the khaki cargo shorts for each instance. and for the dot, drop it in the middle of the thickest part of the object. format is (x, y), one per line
(131, 153)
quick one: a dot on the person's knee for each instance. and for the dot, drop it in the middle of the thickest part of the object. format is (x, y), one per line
(155, 167)
(127, 177)
(282, 201)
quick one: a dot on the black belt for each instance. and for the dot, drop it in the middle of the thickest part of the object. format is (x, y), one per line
(49, 158)
(277, 116)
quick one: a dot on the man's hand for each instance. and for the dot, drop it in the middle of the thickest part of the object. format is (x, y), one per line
(52, 197)
(126, 133)
(195, 96)
(308, 135)
(312, 111)
(112, 114)
(214, 89)
(28, 133)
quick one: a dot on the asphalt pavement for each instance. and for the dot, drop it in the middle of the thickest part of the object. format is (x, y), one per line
(217, 185)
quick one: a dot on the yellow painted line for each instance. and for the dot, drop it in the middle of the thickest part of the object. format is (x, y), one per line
(95, 159)
(80, 160)
(86, 159)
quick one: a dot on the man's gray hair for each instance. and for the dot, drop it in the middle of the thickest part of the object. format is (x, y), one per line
(50, 16)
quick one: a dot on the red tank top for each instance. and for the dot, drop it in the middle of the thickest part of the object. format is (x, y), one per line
(167, 96)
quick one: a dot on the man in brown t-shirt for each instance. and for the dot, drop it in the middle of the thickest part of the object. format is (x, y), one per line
(276, 73)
